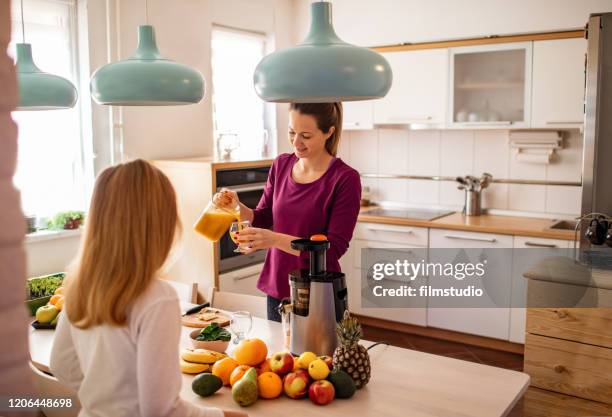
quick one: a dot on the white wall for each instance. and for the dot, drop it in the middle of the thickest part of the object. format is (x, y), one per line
(50, 255)
(383, 22)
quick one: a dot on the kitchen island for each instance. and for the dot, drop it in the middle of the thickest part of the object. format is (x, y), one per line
(404, 382)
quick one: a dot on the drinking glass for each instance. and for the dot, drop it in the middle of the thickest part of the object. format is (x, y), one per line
(235, 228)
(240, 323)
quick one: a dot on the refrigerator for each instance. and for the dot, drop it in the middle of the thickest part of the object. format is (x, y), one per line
(597, 156)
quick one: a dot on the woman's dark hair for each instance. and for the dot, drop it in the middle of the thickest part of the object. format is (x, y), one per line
(326, 115)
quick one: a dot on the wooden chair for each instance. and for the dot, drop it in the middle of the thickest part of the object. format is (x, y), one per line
(49, 387)
(232, 301)
(187, 293)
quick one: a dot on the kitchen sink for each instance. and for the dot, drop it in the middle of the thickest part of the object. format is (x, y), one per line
(563, 225)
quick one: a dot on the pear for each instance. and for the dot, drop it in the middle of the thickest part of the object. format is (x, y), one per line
(244, 392)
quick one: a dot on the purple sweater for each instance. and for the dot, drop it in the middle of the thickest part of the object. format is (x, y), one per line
(329, 205)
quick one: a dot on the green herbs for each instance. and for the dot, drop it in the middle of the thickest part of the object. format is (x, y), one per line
(67, 220)
(44, 286)
(213, 332)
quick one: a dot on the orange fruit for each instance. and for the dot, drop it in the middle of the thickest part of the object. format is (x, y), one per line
(238, 373)
(59, 290)
(60, 303)
(251, 352)
(264, 367)
(54, 298)
(269, 385)
(223, 369)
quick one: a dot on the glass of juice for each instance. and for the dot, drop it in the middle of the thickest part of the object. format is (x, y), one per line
(215, 220)
(235, 230)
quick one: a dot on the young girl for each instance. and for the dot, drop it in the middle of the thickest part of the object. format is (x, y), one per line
(117, 343)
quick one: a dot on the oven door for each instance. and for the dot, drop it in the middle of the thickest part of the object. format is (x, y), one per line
(229, 260)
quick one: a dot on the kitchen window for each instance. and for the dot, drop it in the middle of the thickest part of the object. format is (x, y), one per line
(239, 115)
(54, 160)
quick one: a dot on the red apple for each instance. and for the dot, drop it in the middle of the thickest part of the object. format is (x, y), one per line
(296, 383)
(281, 363)
(329, 361)
(321, 392)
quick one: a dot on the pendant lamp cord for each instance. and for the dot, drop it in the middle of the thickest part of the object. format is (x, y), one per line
(146, 11)
(22, 24)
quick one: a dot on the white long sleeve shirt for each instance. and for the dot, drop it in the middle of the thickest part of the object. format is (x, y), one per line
(128, 371)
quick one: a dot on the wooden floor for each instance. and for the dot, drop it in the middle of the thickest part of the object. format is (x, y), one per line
(535, 403)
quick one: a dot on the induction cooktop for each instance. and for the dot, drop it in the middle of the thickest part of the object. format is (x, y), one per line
(409, 213)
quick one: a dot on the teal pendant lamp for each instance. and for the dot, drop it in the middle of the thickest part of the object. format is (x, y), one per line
(322, 68)
(40, 90)
(146, 78)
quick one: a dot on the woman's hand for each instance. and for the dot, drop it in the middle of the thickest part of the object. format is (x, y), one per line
(226, 198)
(257, 239)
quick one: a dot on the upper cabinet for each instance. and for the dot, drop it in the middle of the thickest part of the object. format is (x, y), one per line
(490, 86)
(419, 91)
(357, 115)
(558, 83)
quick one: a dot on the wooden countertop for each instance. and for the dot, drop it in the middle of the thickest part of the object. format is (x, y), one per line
(218, 163)
(487, 223)
(404, 382)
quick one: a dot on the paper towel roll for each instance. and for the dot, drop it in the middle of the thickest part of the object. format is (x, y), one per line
(533, 158)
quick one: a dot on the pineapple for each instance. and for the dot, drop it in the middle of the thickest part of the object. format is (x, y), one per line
(350, 356)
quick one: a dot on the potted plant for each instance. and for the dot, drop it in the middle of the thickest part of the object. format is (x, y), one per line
(40, 289)
(67, 220)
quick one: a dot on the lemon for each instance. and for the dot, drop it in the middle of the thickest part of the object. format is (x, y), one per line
(305, 359)
(318, 369)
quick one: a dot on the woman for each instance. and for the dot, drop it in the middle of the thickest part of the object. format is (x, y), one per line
(117, 343)
(308, 192)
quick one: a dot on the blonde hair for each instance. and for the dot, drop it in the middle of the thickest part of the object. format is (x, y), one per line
(327, 115)
(128, 234)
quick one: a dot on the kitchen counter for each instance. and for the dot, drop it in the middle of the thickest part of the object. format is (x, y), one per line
(218, 163)
(487, 223)
(424, 385)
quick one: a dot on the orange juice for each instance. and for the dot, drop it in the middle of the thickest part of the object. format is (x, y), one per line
(214, 222)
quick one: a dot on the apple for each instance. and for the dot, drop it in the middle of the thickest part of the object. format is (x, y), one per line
(281, 363)
(329, 361)
(321, 392)
(47, 313)
(295, 384)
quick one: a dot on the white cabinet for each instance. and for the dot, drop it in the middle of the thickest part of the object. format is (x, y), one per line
(419, 91)
(241, 281)
(358, 115)
(522, 261)
(490, 86)
(558, 83)
(488, 321)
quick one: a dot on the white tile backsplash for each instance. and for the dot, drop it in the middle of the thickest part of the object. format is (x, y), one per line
(456, 152)
(563, 199)
(392, 151)
(461, 152)
(364, 150)
(567, 163)
(526, 197)
(424, 152)
(491, 153)
(344, 147)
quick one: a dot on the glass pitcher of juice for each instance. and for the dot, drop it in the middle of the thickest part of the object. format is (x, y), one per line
(215, 221)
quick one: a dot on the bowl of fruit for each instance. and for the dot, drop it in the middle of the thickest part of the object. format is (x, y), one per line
(212, 337)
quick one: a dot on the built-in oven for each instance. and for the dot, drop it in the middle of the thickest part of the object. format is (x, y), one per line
(249, 184)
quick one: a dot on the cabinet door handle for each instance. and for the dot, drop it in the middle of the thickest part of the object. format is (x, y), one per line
(559, 368)
(388, 229)
(480, 239)
(564, 122)
(540, 245)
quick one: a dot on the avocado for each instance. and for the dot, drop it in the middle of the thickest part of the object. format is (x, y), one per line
(206, 384)
(343, 383)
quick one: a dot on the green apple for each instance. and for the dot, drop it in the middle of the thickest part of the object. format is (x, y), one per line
(46, 314)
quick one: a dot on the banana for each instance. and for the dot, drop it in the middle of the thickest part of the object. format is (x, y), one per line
(193, 368)
(201, 355)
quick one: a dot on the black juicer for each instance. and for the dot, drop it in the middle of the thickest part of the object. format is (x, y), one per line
(318, 300)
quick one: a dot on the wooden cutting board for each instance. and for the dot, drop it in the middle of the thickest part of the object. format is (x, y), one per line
(201, 320)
